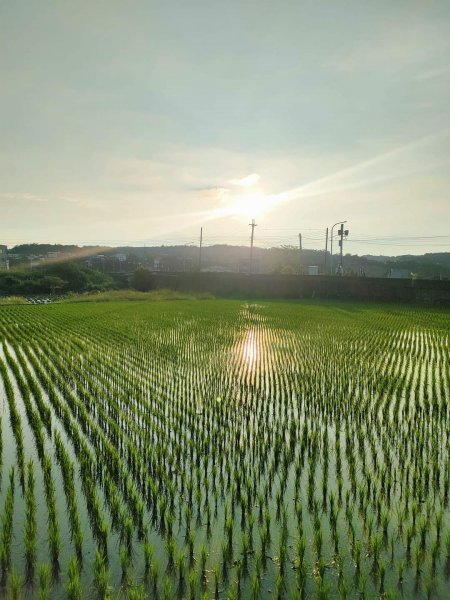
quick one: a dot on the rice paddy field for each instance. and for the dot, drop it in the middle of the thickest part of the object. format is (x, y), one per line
(220, 449)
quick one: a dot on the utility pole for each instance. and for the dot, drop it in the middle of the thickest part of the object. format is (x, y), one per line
(300, 268)
(252, 225)
(200, 250)
(331, 243)
(326, 252)
(342, 234)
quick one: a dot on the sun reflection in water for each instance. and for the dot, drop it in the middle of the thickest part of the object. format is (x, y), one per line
(250, 350)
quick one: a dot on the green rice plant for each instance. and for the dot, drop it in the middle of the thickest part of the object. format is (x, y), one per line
(170, 549)
(148, 557)
(153, 575)
(282, 555)
(14, 586)
(203, 558)
(190, 543)
(166, 591)
(180, 567)
(375, 543)
(216, 576)
(125, 563)
(100, 575)
(245, 551)
(255, 587)
(7, 527)
(192, 581)
(434, 553)
(279, 587)
(136, 593)
(44, 581)
(73, 586)
(30, 541)
(382, 575)
(16, 421)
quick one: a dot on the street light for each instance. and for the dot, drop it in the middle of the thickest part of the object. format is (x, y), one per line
(331, 249)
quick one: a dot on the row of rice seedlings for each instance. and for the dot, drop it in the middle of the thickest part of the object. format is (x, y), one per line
(54, 541)
(33, 416)
(87, 469)
(30, 541)
(7, 527)
(68, 472)
(16, 422)
(100, 529)
(44, 581)
(136, 504)
(74, 587)
(98, 523)
(43, 408)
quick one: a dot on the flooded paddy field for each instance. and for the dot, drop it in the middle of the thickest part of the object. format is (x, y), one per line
(220, 449)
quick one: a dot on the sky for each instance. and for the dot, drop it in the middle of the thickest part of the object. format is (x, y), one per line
(140, 122)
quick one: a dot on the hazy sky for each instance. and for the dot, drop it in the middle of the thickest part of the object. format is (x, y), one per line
(141, 121)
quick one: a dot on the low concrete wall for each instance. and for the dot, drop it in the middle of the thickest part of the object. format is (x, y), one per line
(306, 286)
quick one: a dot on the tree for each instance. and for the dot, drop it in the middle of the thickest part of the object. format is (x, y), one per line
(76, 278)
(142, 280)
(51, 284)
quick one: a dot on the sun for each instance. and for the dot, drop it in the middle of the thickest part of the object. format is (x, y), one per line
(250, 205)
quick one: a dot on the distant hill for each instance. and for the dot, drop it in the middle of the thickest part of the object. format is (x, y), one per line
(285, 259)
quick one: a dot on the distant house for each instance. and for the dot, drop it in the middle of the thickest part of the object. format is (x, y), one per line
(4, 262)
(399, 274)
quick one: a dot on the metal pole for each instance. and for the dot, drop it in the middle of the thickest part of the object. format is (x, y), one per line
(331, 253)
(341, 233)
(326, 252)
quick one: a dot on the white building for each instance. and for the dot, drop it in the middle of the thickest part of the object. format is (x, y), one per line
(4, 262)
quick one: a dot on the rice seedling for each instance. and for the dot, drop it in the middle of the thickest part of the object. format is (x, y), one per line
(7, 527)
(137, 593)
(30, 541)
(14, 586)
(44, 581)
(73, 586)
(100, 576)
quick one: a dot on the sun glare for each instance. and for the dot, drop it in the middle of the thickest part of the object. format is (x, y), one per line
(250, 205)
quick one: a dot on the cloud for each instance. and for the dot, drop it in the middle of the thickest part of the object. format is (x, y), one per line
(22, 197)
(433, 73)
(214, 193)
(247, 181)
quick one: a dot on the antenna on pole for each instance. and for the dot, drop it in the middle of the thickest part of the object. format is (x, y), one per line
(341, 234)
(200, 250)
(252, 225)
